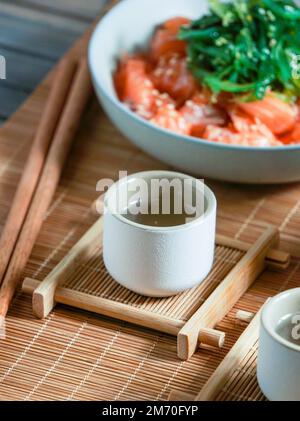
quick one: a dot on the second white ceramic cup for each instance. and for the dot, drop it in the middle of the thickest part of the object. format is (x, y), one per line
(278, 367)
(158, 261)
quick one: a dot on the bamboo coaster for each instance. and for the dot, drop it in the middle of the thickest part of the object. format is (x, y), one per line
(80, 280)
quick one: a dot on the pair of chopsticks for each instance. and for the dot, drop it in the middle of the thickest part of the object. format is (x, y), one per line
(67, 100)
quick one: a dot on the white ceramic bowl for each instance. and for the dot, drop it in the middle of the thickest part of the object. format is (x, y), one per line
(152, 260)
(131, 24)
(278, 368)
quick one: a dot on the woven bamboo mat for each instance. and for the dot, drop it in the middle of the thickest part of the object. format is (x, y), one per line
(75, 355)
(242, 384)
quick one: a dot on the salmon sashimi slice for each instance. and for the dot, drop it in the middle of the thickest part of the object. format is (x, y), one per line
(134, 86)
(158, 101)
(243, 122)
(230, 136)
(169, 118)
(172, 76)
(276, 114)
(292, 137)
(198, 113)
(252, 129)
(174, 24)
(165, 40)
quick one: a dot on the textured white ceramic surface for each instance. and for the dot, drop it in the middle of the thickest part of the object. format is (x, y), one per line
(278, 367)
(159, 261)
(130, 24)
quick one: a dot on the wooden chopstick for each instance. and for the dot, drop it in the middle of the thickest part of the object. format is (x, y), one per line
(68, 124)
(35, 161)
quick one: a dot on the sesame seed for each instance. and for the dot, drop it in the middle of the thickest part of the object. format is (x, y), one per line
(158, 72)
(169, 72)
(171, 107)
(173, 61)
(182, 124)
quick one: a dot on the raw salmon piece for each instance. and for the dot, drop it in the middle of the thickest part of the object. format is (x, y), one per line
(232, 137)
(276, 114)
(162, 100)
(165, 40)
(220, 134)
(198, 113)
(240, 119)
(170, 119)
(293, 136)
(174, 24)
(251, 126)
(172, 76)
(134, 86)
(158, 101)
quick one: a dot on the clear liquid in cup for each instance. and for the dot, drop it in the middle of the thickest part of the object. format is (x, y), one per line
(161, 218)
(288, 328)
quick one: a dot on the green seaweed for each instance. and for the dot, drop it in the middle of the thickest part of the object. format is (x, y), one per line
(247, 46)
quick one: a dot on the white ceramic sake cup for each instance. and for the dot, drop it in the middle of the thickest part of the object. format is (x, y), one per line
(158, 261)
(278, 367)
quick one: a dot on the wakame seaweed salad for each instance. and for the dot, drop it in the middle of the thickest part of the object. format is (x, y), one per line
(246, 48)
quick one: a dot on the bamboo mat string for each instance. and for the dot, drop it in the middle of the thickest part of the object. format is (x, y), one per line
(293, 211)
(168, 384)
(250, 218)
(138, 368)
(94, 366)
(56, 363)
(26, 349)
(290, 277)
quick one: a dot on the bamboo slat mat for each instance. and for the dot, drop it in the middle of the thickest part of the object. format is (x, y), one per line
(242, 384)
(75, 355)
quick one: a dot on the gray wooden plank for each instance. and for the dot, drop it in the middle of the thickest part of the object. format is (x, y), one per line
(11, 99)
(34, 34)
(43, 16)
(29, 37)
(23, 71)
(85, 10)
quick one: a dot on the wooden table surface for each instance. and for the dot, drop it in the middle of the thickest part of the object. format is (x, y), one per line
(33, 35)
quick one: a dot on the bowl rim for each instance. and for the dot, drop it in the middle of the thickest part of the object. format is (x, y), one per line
(92, 49)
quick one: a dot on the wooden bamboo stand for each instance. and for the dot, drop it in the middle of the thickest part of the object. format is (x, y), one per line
(199, 329)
